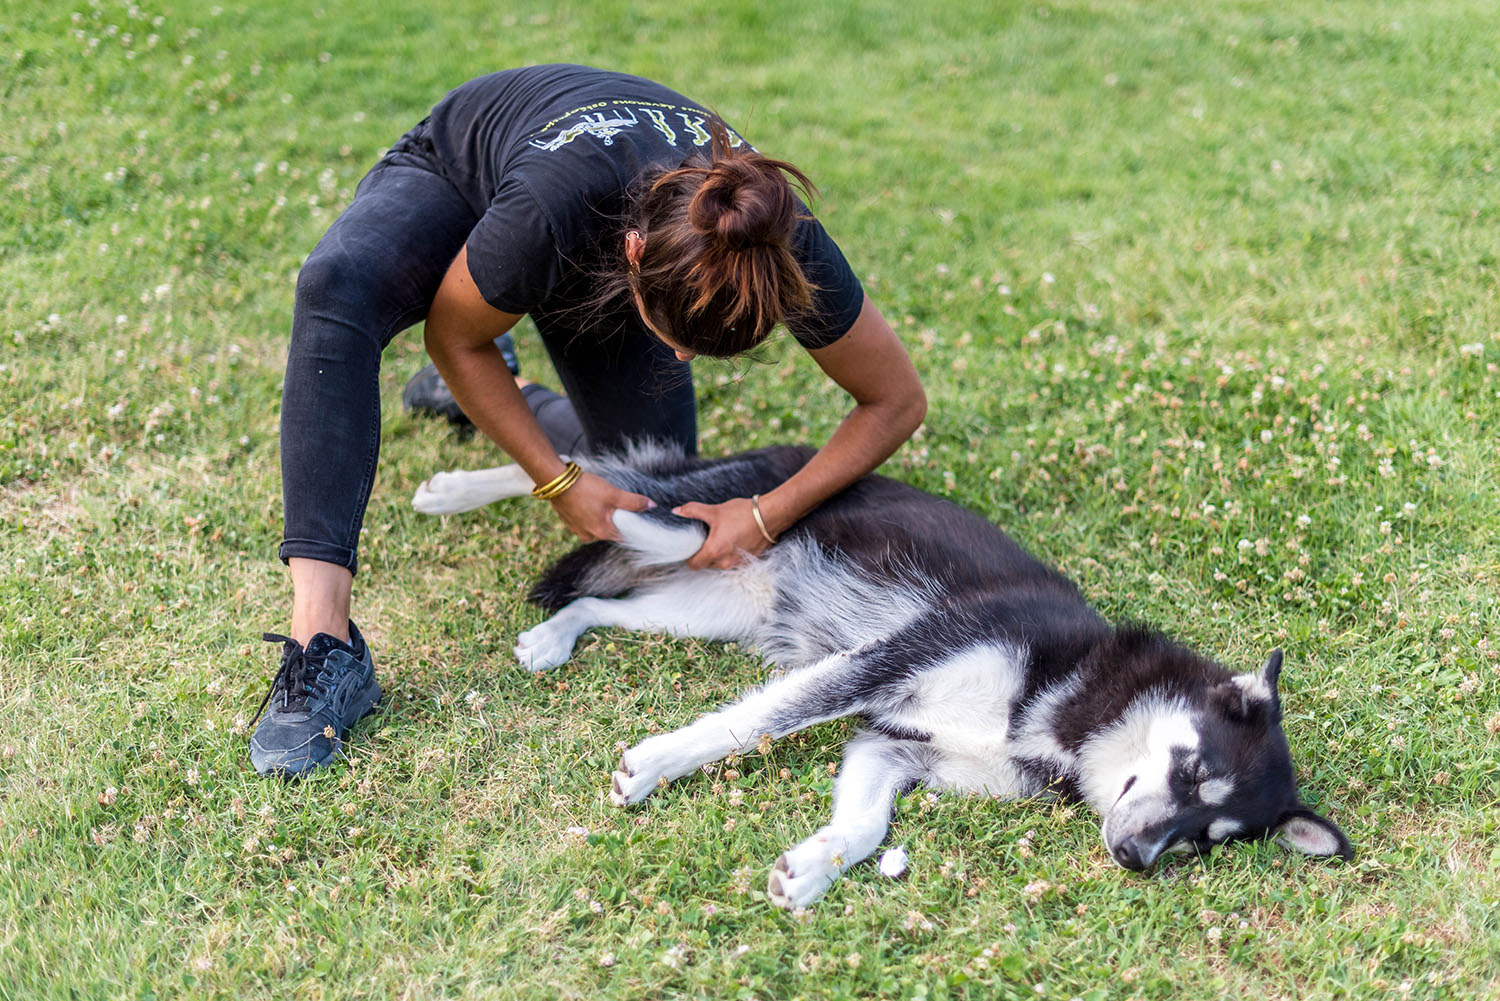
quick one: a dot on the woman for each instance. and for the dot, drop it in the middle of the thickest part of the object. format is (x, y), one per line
(637, 232)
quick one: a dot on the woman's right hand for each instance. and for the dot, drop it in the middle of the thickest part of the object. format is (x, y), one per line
(587, 505)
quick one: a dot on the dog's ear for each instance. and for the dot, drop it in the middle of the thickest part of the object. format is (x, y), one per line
(1252, 698)
(1300, 829)
(1271, 672)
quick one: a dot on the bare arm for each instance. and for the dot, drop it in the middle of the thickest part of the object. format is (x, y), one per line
(870, 363)
(461, 328)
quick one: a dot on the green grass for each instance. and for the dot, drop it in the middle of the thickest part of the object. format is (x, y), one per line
(1205, 299)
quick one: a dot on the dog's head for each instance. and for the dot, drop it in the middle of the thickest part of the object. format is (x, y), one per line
(1198, 765)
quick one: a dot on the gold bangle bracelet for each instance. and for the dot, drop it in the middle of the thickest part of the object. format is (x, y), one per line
(543, 489)
(563, 487)
(559, 484)
(760, 522)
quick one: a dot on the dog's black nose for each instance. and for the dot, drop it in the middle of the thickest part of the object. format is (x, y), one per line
(1128, 854)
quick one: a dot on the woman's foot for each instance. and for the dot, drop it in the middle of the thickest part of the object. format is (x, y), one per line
(320, 691)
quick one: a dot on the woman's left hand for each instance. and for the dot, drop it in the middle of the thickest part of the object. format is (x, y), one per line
(733, 534)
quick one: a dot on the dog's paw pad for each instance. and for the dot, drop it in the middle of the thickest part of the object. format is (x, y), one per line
(617, 794)
(788, 889)
(775, 888)
(628, 785)
(800, 876)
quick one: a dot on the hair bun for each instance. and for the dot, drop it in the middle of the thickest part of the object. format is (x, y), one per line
(744, 201)
(717, 271)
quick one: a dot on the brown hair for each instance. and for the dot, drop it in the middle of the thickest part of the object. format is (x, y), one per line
(717, 271)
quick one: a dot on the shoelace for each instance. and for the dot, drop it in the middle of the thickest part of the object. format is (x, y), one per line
(291, 676)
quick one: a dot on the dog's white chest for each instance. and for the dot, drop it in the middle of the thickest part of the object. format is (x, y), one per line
(964, 706)
(977, 768)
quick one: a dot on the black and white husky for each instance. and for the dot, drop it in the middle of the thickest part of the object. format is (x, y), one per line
(974, 666)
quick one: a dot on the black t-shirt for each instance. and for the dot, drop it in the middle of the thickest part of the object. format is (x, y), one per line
(545, 156)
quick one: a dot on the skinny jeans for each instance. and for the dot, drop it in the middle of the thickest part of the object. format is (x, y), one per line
(374, 274)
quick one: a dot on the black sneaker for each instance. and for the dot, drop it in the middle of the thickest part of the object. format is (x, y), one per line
(427, 393)
(319, 693)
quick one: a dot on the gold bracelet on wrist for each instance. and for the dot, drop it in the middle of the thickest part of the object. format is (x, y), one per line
(760, 522)
(559, 485)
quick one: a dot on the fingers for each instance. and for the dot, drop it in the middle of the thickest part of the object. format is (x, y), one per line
(633, 502)
(694, 510)
(710, 554)
(732, 536)
(588, 507)
(705, 560)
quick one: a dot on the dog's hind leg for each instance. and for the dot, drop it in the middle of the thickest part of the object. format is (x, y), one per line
(709, 604)
(876, 768)
(826, 690)
(466, 489)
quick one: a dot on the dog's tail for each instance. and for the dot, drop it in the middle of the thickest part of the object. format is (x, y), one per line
(650, 542)
(656, 538)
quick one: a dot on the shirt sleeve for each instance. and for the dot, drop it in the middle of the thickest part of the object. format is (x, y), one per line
(513, 253)
(838, 296)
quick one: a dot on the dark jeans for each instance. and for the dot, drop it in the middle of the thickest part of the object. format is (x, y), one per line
(374, 274)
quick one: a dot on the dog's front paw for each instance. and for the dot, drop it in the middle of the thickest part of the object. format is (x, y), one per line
(546, 646)
(445, 493)
(634, 780)
(803, 874)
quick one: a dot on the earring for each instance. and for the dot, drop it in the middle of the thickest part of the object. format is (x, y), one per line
(634, 246)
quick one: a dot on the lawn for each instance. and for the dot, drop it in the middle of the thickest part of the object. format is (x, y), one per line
(1204, 296)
